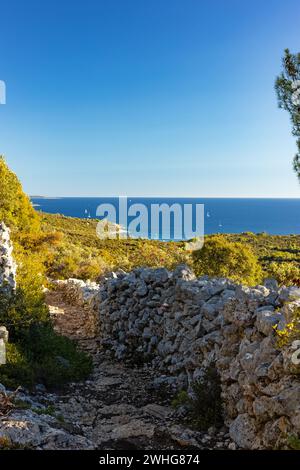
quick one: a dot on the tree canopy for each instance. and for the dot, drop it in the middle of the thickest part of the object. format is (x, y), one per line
(288, 92)
(16, 209)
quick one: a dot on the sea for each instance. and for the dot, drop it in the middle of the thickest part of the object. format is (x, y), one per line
(221, 215)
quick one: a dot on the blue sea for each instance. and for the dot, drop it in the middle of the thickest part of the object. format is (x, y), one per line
(221, 215)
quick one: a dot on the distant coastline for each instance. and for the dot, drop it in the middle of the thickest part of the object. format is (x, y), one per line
(45, 197)
(275, 216)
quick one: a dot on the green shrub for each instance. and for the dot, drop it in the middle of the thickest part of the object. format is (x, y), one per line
(49, 410)
(18, 370)
(291, 332)
(204, 404)
(181, 399)
(22, 310)
(222, 258)
(206, 401)
(293, 442)
(56, 359)
(35, 353)
(287, 274)
(43, 356)
(16, 209)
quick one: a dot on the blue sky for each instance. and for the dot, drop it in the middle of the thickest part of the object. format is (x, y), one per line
(147, 97)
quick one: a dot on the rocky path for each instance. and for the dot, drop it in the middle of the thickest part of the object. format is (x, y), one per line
(119, 407)
(76, 322)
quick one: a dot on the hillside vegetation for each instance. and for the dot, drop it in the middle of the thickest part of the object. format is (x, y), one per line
(80, 253)
(36, 354)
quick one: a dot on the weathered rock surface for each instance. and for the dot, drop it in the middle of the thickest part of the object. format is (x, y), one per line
(7, 264)
(117, 408)
(181, 325)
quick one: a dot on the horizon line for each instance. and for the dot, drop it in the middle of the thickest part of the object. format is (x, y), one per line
(162, 197)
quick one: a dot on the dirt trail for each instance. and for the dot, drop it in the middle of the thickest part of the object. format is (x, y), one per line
(74, 321)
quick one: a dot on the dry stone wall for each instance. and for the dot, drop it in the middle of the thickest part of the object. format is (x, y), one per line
(182, 325)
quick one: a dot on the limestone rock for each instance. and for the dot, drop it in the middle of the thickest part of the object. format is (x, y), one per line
(8, 266)
(243, 432)
(266, 320)
(32, 431)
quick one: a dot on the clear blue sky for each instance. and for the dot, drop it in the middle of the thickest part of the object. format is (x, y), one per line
(147, 97)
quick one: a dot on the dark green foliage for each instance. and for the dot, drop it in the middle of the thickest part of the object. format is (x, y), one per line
(35, 353)
(206, 401)
(55, 358)
(43, 356)
(22, 404)
(204, 404)
(18, 370)
(286, 85)
(294, 442)
(49, 410)
(181, 399)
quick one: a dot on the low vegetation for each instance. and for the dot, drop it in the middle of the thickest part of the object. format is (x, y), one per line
(78, 252)
(293, 442)
(291, 332)
(203, 404)
(36, 354)
(223, 258)
(278, 255)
